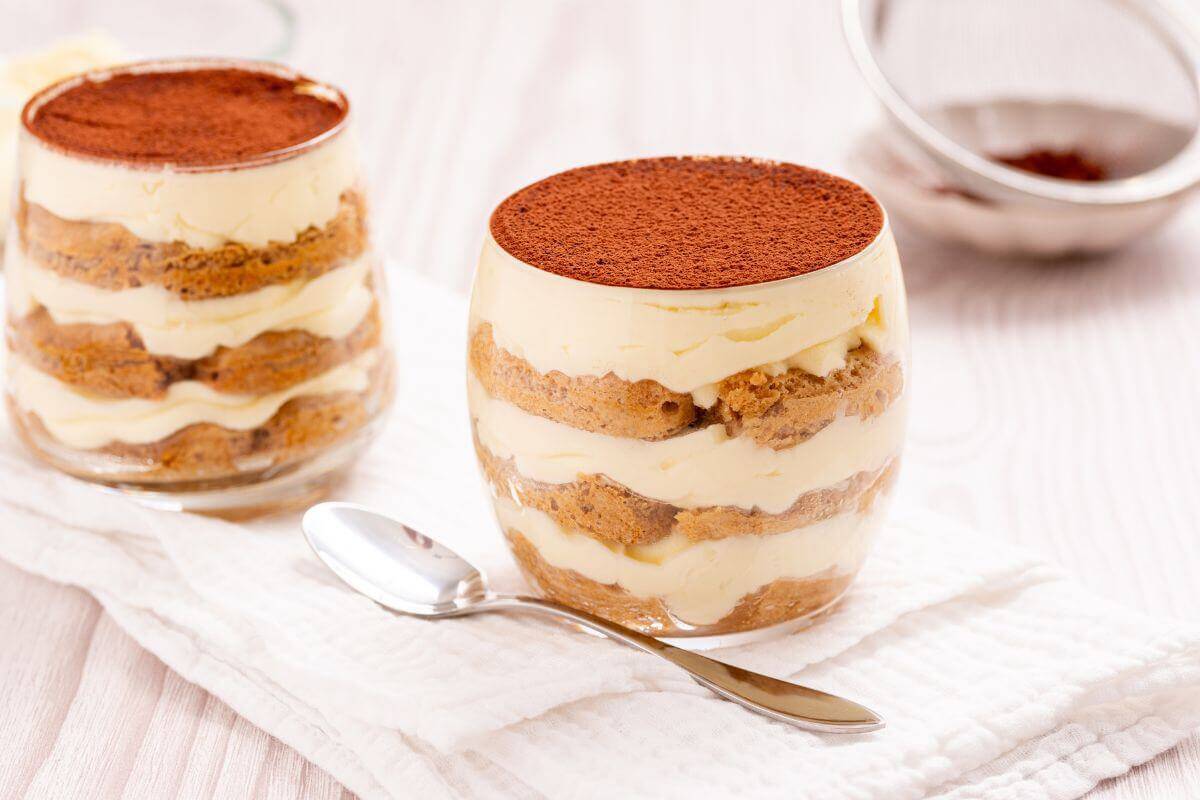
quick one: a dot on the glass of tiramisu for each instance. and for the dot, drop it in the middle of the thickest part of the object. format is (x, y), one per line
(194, 311)
(687, 389)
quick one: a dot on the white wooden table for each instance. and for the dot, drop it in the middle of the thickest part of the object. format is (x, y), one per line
(1055, 405)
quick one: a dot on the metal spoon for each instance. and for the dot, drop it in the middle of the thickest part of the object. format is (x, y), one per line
(406, 571)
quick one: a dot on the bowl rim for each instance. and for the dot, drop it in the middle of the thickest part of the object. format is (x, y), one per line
(1178, 174)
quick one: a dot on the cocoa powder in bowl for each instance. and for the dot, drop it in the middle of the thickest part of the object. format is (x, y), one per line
(1067, 165)
(687, 222)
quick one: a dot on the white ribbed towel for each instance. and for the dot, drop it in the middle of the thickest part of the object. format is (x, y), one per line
(999, 678)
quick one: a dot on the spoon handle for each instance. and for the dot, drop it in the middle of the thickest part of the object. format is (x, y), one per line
(801, 706)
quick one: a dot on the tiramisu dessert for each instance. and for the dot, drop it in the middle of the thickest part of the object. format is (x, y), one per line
(193, 304)
(686, 382)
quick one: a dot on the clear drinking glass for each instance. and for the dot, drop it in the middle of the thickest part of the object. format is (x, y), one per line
(742, 505)
(164, 336)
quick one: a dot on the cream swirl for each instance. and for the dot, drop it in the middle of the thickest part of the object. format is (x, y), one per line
(700, 582)
(703, 468)
(689, 339)
(80, 420)
(253, 205)
(330, 305)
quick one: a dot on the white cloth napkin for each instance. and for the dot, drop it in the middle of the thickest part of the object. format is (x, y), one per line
(999, 678)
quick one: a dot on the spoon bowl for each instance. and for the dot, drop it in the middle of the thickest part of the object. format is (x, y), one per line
(408, 572)
(394, 565)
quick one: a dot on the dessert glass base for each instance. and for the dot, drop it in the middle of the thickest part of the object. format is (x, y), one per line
(711, 637)
(701, 641)
(776, 608)
(275, 489)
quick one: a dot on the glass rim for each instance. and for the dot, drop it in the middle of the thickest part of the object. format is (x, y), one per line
(328, 92)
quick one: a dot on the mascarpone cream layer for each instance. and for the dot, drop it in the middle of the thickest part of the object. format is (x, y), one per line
(83, 421)
(688, 340)
(704, 468)
(330, 305)
(251, 205)
(700, 582)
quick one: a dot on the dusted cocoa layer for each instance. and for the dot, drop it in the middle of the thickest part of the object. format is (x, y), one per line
(109, 360)
(690, 222)
(107, 255)
(608, 511)
(776, 602)
(776, 411)
(301, 428)
(187, 115)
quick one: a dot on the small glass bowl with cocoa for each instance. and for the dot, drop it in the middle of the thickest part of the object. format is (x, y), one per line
(194, 309)
(687, 386)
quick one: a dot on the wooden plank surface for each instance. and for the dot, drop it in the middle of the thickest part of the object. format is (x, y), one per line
(1054, 404)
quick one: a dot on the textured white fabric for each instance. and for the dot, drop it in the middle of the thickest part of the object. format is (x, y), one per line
(999, 678)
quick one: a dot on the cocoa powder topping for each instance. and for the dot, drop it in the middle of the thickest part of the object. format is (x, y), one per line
(687, 223)
(192, 116)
